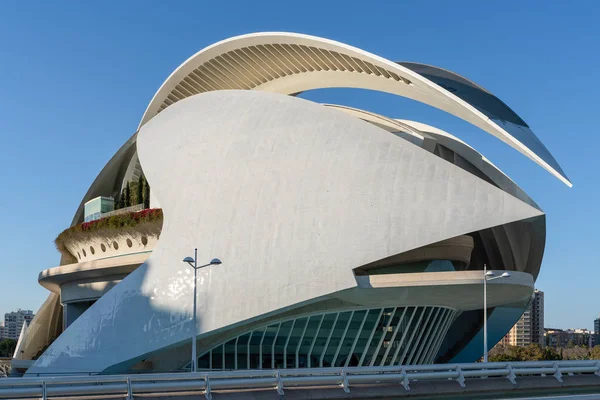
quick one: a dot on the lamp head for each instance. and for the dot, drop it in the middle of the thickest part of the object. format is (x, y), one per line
(490, 274)
(215, 261)
(505, 275)
(188, 260)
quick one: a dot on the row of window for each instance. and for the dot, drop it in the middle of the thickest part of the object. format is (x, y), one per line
(115, 246)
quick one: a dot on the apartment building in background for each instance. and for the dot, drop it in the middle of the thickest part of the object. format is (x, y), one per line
(530, 327)
(562, 338)
(13, 323)
(537, 318)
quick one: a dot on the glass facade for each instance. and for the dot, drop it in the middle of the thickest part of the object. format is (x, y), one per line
(362, 337)
(94, 208)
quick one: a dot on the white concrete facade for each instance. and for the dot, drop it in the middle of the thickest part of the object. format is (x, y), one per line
(319, 213)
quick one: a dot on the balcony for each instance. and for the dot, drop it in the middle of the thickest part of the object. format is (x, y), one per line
(130, 230)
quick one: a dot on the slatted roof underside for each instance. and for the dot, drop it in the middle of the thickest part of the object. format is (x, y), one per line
(249, 67)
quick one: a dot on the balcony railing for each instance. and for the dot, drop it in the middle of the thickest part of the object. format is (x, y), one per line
(125, 210)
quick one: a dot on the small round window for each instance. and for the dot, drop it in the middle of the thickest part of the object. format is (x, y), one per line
(92, 250)
(144, 240)
(78, 255)
(129, 243)
(103, 247)
(84, 253)
(116, 245)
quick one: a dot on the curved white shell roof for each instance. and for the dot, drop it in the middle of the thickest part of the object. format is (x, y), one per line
(416, 132)
(290, 63)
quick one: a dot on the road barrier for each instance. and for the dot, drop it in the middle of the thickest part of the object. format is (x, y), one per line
(205, 382)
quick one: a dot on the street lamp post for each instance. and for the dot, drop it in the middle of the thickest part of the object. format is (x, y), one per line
(194, 264)
(487, 276)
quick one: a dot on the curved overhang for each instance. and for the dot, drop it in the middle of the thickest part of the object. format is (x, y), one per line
(470, 154)
(290, 63)
(53, 278)
(488, 104)
(417, 132)
(457, 289)
(454, 249)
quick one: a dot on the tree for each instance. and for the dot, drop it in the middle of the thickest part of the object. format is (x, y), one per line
(551, 354)
(7, 347)
(503, 354)
(595, 353)
(532, 352)
(121, 202)
(146, 194)
(127, 195)
(576, 353)
(140, 190)
(501, 357)
(133, 190)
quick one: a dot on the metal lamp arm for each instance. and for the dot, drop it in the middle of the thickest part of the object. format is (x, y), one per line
(495, 277)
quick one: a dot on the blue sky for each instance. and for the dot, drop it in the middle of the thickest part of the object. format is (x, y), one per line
(75, 78)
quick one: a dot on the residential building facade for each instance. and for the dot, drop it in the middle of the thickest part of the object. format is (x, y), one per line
(13, 322)
(529, 329)
(537, 318)
(520, 333)
(563, 338)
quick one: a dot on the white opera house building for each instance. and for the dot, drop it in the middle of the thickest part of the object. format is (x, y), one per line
(347, 238)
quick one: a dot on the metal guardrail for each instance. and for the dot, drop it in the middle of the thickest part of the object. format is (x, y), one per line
(277, 380)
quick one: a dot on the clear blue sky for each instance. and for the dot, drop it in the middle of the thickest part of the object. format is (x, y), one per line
(75, 78)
